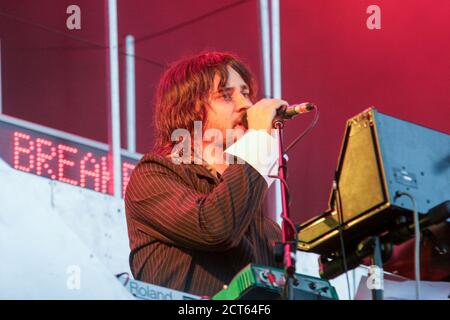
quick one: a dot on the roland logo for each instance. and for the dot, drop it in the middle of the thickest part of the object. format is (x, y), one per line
(147, 292)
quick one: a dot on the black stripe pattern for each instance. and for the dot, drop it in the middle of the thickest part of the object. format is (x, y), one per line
(192, 231)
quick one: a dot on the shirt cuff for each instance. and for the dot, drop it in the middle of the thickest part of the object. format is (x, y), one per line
(260, 150)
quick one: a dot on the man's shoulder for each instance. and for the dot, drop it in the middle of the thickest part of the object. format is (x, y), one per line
(150, 173)
(151, 157)
(165, 163)
(157, 163)
(153, 163)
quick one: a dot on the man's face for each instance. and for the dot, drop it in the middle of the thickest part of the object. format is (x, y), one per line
(228, 105)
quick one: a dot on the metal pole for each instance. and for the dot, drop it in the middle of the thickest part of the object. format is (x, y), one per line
(265, 44)
(276, 82)
(131, 95)
(114, 136)
(272, 201)
(276, 57)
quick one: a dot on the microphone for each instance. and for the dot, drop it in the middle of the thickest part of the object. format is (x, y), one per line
(286, 112)
(289, 112)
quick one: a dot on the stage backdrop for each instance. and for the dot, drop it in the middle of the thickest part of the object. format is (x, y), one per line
(57, 77)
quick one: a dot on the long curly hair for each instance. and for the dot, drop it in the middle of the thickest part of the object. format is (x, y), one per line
(184, 91)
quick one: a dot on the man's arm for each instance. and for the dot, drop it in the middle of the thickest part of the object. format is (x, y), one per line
(157, 199)
(260, 150)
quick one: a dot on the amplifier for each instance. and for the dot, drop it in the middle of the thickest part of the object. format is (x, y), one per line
(380, 157)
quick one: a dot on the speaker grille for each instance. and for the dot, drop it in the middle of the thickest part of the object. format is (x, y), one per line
(360, 181)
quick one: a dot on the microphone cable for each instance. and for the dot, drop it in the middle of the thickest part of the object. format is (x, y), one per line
(306, 131)
(286, 219)
(399, 194)
(340, 214)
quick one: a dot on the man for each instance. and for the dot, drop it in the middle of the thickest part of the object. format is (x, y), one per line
(193, 226)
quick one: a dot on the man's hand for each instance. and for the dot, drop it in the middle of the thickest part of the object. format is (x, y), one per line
(261, 114)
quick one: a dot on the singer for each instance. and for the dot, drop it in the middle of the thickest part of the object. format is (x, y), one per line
(193, 227)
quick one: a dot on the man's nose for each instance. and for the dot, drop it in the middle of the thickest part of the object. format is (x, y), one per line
(243, 103)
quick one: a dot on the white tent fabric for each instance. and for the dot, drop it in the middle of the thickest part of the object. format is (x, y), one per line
(54, 244)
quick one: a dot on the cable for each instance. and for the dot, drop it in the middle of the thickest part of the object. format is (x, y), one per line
(289, 223)
(51, 30)
(282, 181)
(304, 133)
(341, 235)
(188, 22)
(300, 136)
(92, 44)
(416, 240)
(155, 63)
(283, 216)
(286, 286)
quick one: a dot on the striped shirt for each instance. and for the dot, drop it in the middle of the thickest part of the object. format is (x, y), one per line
(193, 231)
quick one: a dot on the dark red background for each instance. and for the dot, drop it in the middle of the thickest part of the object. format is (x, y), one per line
(57, 77)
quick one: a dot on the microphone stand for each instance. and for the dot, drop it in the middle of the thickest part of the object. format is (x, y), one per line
(288, 236)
